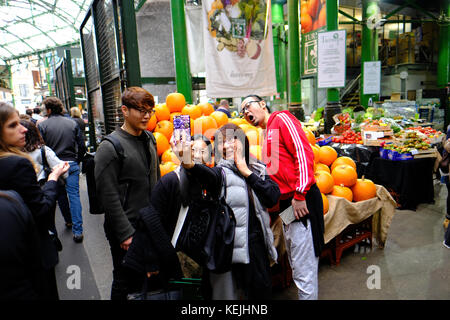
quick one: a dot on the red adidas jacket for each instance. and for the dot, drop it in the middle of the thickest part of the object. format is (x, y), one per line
(288, 155)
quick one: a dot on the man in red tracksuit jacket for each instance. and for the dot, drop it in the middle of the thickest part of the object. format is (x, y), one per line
(290, 163)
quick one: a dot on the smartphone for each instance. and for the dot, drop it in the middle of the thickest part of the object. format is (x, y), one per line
(182, 128)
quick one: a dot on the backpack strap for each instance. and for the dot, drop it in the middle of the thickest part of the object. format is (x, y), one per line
(223, 192)
(116, 144)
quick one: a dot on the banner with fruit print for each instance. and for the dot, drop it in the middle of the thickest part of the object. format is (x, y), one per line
(239, 57)
(313, 18)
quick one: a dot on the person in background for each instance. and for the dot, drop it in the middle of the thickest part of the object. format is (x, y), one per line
(63, 136)
(290, 163)
(249, 192)
(18, 174)
(36, 114)
(124, 185)
(29, 112)
(33, 147)
(224, 107)
(76, 115)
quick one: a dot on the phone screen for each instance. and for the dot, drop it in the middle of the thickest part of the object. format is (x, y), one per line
(182, 128)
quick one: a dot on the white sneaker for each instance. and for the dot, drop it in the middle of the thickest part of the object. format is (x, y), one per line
(443, 242)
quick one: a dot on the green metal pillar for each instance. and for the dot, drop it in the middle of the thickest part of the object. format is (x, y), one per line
(182, 69)
(333, 105)
(369, 50)
(294, 92)
(278, 29)
(130, 43)
(11, 85)
(443, 68)
(332, 24)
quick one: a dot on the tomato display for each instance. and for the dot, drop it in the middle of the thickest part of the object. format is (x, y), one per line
(349, 137)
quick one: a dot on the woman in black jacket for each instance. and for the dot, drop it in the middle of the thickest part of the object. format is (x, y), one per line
(18, 173)
(151, 253)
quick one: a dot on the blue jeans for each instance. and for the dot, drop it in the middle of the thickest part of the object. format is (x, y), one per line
(73, 191)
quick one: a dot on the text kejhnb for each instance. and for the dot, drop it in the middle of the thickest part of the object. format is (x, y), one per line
(231, 309)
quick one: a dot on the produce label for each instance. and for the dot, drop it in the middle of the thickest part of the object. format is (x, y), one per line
(239, 57)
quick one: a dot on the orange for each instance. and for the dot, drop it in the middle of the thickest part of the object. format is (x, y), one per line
(220, 117)
(364, 189)
(169, 156)
(323, 167)
(343, 160)
(324, 181)
(167, 167)
(310, 136)
(237, 121)
(151, 124)
(344, 175)
(162, 144)
(162, 112)
(343, 192)
(316, 151)
(194, 111)
(165, 127)
(207, 108)
(325, 203)
(327, 155)
(175, 102)
(205, 125)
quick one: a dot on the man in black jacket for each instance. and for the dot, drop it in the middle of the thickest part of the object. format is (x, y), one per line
(63, 135)
(124, 183)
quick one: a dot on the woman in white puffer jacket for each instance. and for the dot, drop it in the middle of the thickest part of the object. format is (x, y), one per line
(249, 192)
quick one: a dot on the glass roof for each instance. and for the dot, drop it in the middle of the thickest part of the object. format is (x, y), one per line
(29, 26)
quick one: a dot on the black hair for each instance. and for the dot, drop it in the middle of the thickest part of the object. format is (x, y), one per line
(33, 138)
(258, 99)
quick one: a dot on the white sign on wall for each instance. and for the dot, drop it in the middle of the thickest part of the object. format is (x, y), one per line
(372, 77)
(331, 47)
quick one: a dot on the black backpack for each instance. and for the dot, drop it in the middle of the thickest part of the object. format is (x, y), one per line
(88, 168)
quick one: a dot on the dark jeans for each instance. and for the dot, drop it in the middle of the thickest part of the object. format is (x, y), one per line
(447, 183)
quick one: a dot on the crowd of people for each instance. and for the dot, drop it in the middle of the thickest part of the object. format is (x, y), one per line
(40, 167)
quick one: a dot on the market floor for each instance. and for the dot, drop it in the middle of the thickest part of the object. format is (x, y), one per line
(413, 265)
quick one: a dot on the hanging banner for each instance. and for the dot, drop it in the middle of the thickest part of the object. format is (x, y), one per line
(313, 18)
(238, 44)
(331, 59)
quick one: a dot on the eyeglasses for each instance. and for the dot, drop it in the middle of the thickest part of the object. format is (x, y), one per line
(144, 111)
(245, 107)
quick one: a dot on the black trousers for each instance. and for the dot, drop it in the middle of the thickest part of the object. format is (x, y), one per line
(124, 280)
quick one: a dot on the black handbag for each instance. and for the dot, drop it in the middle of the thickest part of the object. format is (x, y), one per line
(162, 294)
(207, 235)
(46, 167)
(219, 243)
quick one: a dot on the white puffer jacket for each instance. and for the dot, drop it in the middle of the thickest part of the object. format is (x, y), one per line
(237, 199)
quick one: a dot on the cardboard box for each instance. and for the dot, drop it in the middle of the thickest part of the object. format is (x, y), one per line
(396, 96)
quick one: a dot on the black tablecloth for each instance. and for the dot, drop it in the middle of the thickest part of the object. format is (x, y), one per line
(410, 181)
(362, 155)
